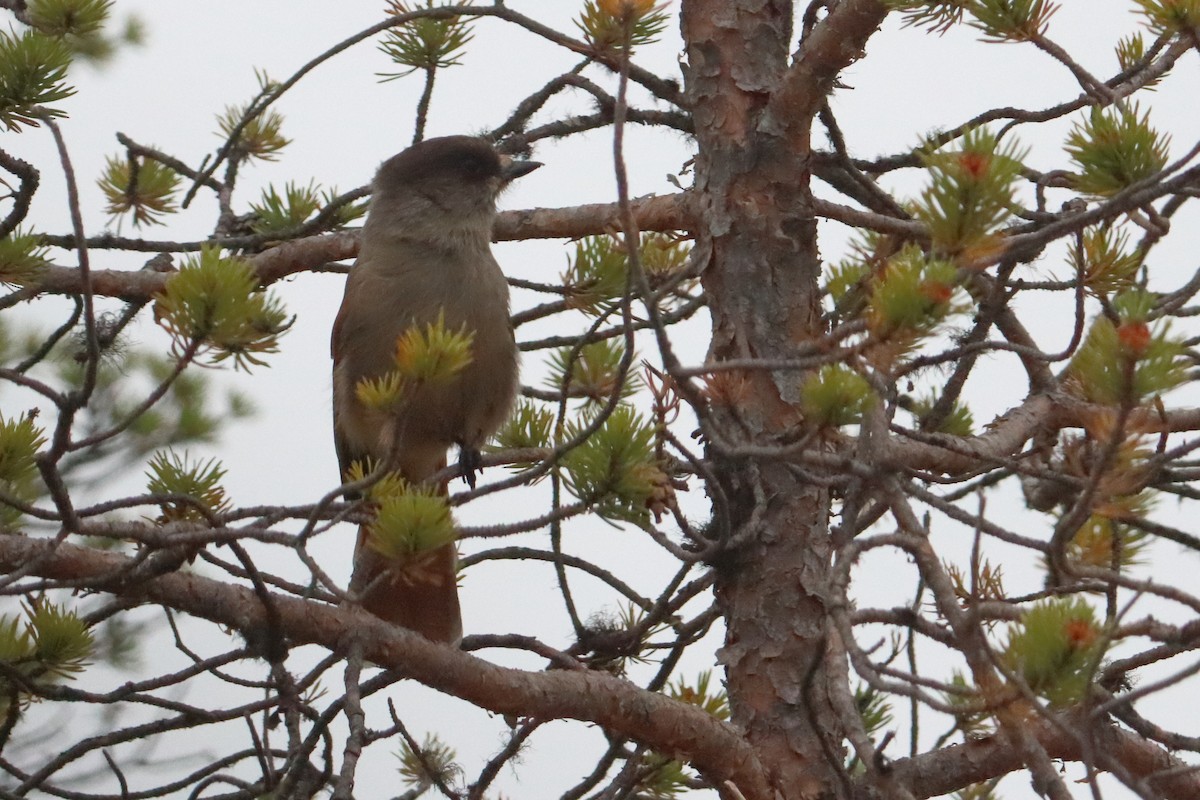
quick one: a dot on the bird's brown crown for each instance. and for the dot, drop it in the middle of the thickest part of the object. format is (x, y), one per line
(462, 158)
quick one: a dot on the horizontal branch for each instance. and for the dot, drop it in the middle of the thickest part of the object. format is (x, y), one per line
(671, 212)
(661, 213)
(300, 255)
(940, 772)
(675, 729)
(962, 454)
(953, 455)
(141, 285)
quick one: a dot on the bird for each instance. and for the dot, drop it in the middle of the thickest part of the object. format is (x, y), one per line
(425, 255)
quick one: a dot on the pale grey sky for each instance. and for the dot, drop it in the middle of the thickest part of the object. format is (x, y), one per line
(200, 57)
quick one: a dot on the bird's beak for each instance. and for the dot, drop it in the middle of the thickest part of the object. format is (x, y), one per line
(512, 169)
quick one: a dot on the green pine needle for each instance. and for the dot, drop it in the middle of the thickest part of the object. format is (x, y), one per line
(390, 484)
(16, 645)
(33, 68)
(215, 300)
(436, 354)
(978, 791)
(959, 422)
(80, 19)
(712, 700)
(970, 194)
(937, 16)
(1055, 649)
(662, 254)
(1103, 258)
(529, 426)
(912, 295)
(262, 138)
(598, 273)
(171, 474)
(22, 258)
(999, 20)
(594, 372)
(434, 766)
(411, 523)
(433, 355)
(425, 43)
(62, 642)
(616, 470)
(603, 23)
(276, 213)
(844, 284)
(1011, 20)
(149, 196)
(1102, 536)
(385, 392)
(1113, 148)
(661, 778)
(283, 213)
(48, 644)
(1128, 361)
(1131, 50)
(20, 441)
(1171, 16)
(873, 708)
(835, 395)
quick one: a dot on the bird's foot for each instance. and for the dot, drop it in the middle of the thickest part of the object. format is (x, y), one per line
(470, 462)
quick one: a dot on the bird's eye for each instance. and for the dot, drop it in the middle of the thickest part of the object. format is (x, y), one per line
(476, 167)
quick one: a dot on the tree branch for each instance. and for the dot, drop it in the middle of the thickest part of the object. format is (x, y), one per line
(943, 771)
(1008, 433)
(835, 43)
(672, 212)
(669, 727)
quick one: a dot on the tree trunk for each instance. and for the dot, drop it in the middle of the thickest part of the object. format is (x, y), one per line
(760, 267)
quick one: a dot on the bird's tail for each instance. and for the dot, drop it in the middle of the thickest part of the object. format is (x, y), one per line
(421, 594)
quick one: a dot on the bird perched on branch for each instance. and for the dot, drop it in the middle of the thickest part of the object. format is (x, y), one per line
(425, 256)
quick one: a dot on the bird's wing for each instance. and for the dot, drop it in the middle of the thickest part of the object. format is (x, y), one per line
(346, 454)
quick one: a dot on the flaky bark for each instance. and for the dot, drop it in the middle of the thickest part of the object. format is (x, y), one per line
(757, 246)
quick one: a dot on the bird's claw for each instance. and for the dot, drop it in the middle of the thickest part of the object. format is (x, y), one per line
(470, 462)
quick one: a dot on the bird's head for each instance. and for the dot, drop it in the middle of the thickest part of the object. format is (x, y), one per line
(444, 186)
